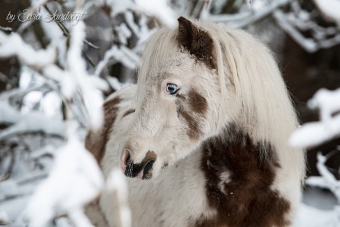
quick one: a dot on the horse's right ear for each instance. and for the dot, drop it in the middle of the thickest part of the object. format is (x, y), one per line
(195, 40)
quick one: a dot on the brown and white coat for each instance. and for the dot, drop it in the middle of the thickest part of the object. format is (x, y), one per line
(215, 150)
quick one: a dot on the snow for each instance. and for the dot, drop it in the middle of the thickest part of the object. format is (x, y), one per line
(118, 6)
(93, 99)
(74, 181)
(8, 114)
(315, 133)
(312, 217)
(114, 83)
(68, 177)
(123, 33)
(116, 182)
(327, 179)
(16, 46)
(158, 9)
(4, 220)
(122, 54)
(32, 122)
(330, 9)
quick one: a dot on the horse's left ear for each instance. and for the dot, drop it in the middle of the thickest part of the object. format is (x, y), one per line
(196, 41)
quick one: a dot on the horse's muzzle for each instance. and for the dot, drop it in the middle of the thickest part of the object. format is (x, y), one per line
(141, 170)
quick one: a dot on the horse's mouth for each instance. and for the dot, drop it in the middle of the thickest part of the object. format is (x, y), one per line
(141, 170)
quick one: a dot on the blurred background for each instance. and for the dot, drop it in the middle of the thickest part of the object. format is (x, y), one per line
(36, 98)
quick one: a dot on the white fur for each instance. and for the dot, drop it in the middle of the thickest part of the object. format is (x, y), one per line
(246, 89)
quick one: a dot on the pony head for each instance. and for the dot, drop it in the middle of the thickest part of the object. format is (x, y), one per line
(194, 81)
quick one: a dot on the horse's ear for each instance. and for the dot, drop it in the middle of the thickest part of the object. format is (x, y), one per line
(196, 41)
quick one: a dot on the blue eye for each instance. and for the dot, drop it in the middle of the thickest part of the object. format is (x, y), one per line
(171, 88)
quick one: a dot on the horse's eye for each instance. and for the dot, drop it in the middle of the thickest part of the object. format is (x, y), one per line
(171, 88)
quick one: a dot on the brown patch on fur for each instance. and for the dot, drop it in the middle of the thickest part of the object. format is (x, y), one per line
(197, 102)
(194, 130)
(196, 41)
(95, 141)
(128, 112)
(198, 105)
(247, 199)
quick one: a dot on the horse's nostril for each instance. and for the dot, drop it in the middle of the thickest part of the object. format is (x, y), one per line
(147, 174)
(127, 159)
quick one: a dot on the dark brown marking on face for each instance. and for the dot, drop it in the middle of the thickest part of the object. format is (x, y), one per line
(132, 169)
(95, 141)
(197, 108)
(128, 112)
(196, 41)
(197, 102)
(247, 199)
(194, 130)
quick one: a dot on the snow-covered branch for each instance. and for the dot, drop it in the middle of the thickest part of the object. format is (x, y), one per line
(327, 179)
(315, 133)
(244, 18)
(158, 9)
(330, 9)
(297, 20)
(116, 182)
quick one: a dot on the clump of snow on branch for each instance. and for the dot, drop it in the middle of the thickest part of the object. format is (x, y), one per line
(312, 217)
(74, 181)
(297, 20)
(89, 86)
(158, 9)
(327, 179)
(330, 9)
(4, 220)
(315, 133)
(116, 182)
(15, 46)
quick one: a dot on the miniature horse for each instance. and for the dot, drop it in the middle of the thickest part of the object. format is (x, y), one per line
(208, 122)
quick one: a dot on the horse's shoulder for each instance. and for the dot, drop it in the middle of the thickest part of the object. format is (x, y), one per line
(116, 106)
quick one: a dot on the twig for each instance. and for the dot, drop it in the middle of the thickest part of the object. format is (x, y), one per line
(91, 44)
(243, 19)
(88, 58)
(204, 11)
(67, 34)
(66, 31)
(6, 29)
(308, 44)
(8, 172)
